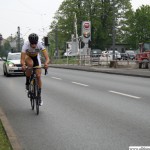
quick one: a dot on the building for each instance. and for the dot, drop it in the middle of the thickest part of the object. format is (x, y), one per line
(119, 47)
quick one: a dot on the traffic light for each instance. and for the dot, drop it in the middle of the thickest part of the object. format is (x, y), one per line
(1, 38)
(86, 31)
(46, 42)
(86, 34)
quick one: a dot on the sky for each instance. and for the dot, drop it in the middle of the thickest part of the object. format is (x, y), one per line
(34, 16)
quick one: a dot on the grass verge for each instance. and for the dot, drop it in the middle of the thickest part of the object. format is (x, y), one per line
(4, 142)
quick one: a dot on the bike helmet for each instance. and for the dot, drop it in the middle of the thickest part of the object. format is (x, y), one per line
(33, 38)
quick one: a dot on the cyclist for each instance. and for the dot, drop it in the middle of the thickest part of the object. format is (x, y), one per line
(30, 57)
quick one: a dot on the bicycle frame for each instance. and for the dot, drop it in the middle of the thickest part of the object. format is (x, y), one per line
(34, 88)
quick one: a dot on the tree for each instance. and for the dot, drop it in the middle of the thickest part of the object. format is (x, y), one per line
(139, 27)
(100, 13)
(6, 48)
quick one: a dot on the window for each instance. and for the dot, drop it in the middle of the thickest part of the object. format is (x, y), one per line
(146, 46)
(14, 57)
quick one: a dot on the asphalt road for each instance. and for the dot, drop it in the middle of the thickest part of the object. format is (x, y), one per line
(81, 111)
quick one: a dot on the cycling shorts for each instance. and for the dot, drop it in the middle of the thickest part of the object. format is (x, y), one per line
(36, 60)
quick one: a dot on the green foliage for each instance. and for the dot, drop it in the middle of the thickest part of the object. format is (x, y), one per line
(5, 48)
(4, 142)
(129, 25)
(139, 27)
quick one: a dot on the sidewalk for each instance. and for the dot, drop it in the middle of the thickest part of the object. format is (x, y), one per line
(12, 137)
(120, 71)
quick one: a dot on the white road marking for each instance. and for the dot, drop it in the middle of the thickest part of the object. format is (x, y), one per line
(125, 94)
(80, 84)
(56, 78)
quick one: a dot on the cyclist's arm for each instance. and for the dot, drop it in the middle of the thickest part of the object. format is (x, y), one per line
(23, 55)
(47, 60)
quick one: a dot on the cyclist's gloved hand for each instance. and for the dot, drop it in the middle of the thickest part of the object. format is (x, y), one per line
(23, 67)
(45, 65)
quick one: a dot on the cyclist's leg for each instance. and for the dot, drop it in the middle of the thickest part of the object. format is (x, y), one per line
(38, 75)
(37, 62)
(29, 63)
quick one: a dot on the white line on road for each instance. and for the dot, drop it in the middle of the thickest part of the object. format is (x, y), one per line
(125, 94)
(79, 84)
(56, 78)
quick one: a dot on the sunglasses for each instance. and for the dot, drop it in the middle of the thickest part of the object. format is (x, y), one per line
(33, 43)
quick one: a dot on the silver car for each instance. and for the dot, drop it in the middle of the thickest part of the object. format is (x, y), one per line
(12, 64)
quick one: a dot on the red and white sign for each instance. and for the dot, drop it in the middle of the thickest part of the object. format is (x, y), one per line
(86, 31)
(86, 25)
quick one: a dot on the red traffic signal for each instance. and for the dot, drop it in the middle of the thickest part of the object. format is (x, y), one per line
(86, 25)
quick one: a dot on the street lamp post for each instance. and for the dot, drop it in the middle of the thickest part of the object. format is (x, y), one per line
(18, 39)
(113, 30)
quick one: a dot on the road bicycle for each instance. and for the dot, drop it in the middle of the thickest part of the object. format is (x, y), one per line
(33, 92)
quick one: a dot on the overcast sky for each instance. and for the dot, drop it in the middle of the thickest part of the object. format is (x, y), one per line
(33, 15)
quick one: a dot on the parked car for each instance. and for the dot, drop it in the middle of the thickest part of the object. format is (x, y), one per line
(12, 64)
(130, 54)
(117, 54)
(124, 56)
(109, 55)
(70, 54)
(95, 54)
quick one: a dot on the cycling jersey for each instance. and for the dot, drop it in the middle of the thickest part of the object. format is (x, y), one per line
(33, 53)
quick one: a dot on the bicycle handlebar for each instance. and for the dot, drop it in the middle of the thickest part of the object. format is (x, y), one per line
(37, 67)
(46, 71)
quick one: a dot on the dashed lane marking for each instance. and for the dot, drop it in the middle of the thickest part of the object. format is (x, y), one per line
(132, 96)
(56, 78)
(80, 84)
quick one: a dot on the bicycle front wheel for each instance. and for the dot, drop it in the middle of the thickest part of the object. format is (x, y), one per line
(36, 89)
(32, 102)
(37, 105)
(31, 95)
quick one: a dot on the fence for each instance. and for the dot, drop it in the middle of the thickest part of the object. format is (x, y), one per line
(90, 60)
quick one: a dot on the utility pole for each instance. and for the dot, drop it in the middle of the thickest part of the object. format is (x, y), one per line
(76, 33)
(18, 33)
(11, 40)
(113, 30)
(1, 38)
(75, 25)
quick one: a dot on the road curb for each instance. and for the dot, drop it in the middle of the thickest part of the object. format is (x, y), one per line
(9, 132)
(104, 70)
